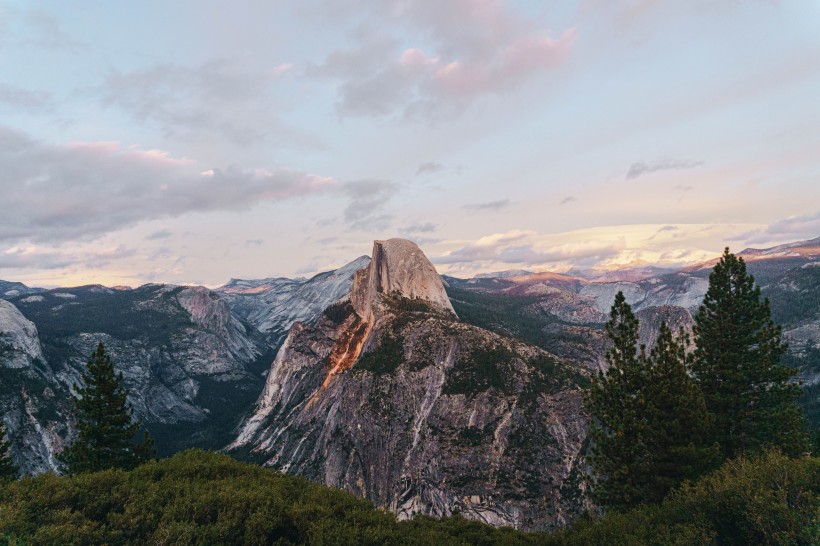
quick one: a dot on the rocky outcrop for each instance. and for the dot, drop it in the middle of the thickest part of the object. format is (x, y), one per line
(19, 342)
(33, 402)
(390, 396)
(398, 268)
(211, 314)
(676, 289)
(10, 289)
(192, 367)
(676, 318)
(274, 305)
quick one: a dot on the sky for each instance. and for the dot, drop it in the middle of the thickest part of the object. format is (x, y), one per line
(196, 141)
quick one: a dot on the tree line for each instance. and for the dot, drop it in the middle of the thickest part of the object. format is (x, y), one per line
(674, 414)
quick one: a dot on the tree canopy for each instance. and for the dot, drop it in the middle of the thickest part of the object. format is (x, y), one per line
(747, 390)
(8, 470)
(648, 417)
(105, 426)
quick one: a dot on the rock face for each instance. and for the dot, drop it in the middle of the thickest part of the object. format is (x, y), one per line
(391, 397)
(399, 268)
(674, 317)
(14, 289)
(678, 289)
(33, 402)
(273, 305)
(19, 343)
(192, 367)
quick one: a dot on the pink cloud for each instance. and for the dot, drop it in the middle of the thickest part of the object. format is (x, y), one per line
(519, 60)
(280, 69)
(108, 148)
(416, 57)
(472, 48)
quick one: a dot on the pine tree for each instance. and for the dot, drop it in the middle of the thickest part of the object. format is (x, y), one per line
(648, 417)
(617, 405)
(105, 427)
(677, 420)
(737, 366)
(8, 471)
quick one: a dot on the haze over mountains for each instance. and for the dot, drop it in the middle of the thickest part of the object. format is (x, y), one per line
(380, 377)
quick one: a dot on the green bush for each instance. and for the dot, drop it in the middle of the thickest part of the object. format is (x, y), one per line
(206, 498)
(769, 499)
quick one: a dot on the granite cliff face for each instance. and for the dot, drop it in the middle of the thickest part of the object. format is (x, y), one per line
(398, 268)
(192, 367)
(273, 305)
(19, 343)
(33, 401)
(391, 397)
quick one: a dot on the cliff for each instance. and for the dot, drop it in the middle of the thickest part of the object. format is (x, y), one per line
(391, 397)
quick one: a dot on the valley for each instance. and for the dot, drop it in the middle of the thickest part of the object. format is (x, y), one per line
(425, 394)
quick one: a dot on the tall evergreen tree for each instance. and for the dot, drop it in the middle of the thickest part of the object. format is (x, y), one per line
(737, 365)
(616, 401)
(105, 427)
(8, 471)
(648, 417)
(677, 420)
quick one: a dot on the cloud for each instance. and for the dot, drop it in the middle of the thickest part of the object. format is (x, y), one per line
(161, 234)
(641, 168)
(368, 199)
(429, 168)
(83, 190)
(494, 206)
(100, 259)
(281, 68)
(31, 27)
(216, 99)
(568, 199)
(23, 99)
(522, 247)
(34, 257)
(480, 48)
(427, 227)
(24, 258)
(252, 243)
(806, 226)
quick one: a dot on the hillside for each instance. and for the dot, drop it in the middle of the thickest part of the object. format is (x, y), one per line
(193, 368)
(205, 498)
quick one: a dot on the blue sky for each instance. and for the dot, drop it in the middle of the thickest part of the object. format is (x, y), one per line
(191, 142)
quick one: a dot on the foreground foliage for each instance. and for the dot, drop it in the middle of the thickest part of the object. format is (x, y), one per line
(205, 498)
(767, 499)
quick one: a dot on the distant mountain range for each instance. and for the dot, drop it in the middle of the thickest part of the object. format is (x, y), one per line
(273, 305)
(379, 377)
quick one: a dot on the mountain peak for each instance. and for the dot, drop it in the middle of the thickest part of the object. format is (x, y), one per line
(399, 267)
